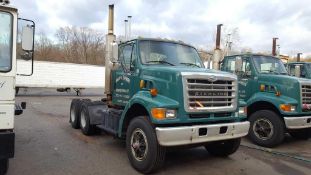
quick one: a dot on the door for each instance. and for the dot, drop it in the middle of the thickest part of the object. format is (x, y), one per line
(125, 76)
(245, 78)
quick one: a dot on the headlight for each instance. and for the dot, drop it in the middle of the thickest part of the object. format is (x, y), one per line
(287, 107)
(242, 110)
(162, 113)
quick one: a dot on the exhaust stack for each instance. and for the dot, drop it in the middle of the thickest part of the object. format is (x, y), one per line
(125, 30)
(109, 65)
(129, 27)
(298, 57)
(274, 46)
(217, 51)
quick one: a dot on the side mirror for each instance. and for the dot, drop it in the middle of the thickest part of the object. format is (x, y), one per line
(115, 52)
(238, 64)
(297, 71)
(27, 38)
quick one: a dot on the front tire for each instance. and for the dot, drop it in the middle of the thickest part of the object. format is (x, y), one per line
(302, 134)
(223, 148)
(143, 150)
(267, 128)
(4, 166)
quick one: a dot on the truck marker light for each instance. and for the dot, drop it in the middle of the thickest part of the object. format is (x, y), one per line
(286, 107)
(278, 93)
(153, 92)
(158, 113)
(262, 87)
(142, 84)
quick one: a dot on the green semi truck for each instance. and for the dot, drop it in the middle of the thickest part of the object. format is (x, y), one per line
(299, 69)
(159, 95)
(276, 102)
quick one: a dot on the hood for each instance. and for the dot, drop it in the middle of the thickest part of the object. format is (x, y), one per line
(279, 79)
(169, 73)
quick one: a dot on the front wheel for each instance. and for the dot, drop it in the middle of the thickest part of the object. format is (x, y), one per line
(4, 166)
(267, 128)
(223, 148)
(143, 150)
(303, 134)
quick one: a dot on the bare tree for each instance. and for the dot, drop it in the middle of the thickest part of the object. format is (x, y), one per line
(81, 45)
(44, 47)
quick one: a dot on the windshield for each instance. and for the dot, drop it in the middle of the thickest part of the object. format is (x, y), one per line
(5, 41)
(167, 53)
(267, 64)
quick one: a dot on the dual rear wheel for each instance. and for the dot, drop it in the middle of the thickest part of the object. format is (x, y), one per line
(80, 117)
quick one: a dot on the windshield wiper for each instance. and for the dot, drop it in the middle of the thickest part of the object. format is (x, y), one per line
(154, 61)
(191, 64)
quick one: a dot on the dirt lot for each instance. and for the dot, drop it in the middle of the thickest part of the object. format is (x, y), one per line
(46, 144)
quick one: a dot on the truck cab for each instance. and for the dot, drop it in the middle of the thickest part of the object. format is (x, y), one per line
(299, 69)
(159, 95)
(276, 102)
(8, 54)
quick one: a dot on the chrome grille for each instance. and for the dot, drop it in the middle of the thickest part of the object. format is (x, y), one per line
(306, 97)
(210, 93)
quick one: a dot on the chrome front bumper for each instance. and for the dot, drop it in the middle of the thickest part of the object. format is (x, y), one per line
(184, 135)
(297, 122)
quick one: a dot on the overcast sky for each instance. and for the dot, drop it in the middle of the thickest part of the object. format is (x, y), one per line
(192, 21)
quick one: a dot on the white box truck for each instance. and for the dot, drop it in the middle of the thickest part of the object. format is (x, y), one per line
(8, 54)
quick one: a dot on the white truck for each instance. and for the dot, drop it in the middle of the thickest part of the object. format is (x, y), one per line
(62, 76)
(8, 53)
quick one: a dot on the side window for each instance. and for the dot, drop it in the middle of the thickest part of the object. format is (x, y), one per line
(230, 66)
(127, 57)
(292, 70)
(302, 71)
(246, 68)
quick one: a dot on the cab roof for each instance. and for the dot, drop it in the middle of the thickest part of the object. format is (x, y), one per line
(160, 40)
(252, 54)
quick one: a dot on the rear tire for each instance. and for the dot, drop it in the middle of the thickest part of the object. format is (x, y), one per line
(75, 113)
(4, 166)
(223, 148)
(143, 150)
(302, 134)
(267, 128)
(85, 123)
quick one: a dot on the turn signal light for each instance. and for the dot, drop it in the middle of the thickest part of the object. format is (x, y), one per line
(262, 87)
(286, 107)
(153, 92)
(278, 93)
(158, 113)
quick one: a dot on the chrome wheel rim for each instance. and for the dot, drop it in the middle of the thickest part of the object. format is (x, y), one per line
(83, 119)
(139, 144)
(263, 129)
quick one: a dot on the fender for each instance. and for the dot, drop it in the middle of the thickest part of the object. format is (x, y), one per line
(145, 99)
(273, 99)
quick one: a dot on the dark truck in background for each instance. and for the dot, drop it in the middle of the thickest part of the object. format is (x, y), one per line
(276, 102)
